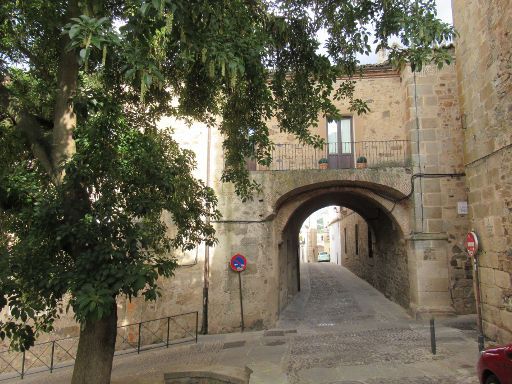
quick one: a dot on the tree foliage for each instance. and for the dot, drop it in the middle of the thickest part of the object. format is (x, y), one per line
(84, 172)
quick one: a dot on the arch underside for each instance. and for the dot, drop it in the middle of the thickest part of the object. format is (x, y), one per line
(387, 270)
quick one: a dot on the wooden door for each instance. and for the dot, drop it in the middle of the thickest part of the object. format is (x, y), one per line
(340, 147)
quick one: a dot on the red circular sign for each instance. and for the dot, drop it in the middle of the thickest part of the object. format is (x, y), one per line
(238, 263)
(471, 244)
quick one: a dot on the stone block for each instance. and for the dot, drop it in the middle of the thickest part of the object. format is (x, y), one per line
(488, 259)
(434, 299)
(491, 314)
(490, 330)
(432, 199)
(432, 212)
(428, 135)
(431, 185)
(486, 275)
(432, 148)
(427, 123)
(491, 295)
(430, 101)
(432, 269)
(424, 89)
(503, 279)
(435, 285)
(480, 210)
(506, 320)
(435, 225)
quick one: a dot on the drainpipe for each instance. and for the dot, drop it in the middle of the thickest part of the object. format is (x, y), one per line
(206, 271)
(418, 151)
(478, 298)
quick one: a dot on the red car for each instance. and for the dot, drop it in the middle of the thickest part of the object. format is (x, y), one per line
(495, 366)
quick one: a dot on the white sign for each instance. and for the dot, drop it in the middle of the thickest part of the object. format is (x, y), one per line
(462, 207)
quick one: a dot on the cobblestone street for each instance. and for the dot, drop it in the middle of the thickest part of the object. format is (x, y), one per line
(338, 330)
(349, 333)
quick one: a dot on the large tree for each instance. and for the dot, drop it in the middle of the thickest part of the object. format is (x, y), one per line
(84, 172)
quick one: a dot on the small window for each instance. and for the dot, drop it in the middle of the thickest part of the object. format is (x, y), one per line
(370, 247)
(357, 239)
(345, 233)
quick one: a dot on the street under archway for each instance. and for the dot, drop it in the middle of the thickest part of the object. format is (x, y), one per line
(385, 267)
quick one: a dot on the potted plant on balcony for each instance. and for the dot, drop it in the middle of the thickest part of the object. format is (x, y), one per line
(361, 162)
(323, 163)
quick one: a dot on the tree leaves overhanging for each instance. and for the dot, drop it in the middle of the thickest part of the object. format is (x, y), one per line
(87, 221)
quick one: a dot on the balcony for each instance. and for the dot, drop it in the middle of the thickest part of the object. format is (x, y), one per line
(339, 155)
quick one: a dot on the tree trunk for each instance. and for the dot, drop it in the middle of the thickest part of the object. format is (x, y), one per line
(64, 120)
(95, 353)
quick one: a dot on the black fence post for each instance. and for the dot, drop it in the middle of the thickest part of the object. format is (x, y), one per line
(481, 343)
(168, 329)
(138, 341)
(197, 323)
(53, 352)
(432, 336)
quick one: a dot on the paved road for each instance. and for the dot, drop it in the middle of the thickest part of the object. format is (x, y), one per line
(338, 330)
(348, 332)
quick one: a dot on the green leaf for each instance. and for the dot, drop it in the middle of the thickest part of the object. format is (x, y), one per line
(74, 31)
(144, 8)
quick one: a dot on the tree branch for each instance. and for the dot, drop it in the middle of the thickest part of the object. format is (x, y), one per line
(40, 146)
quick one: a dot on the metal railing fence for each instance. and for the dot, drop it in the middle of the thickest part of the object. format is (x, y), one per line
(340, 155)
(131, 338)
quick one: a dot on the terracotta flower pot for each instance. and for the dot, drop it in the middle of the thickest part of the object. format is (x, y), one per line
(360, 165)
(323, 166)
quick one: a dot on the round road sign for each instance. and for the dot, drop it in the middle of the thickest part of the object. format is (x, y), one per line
(471, 244)
(238, 263)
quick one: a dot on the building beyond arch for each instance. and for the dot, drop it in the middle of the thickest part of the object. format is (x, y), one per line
(441, 138)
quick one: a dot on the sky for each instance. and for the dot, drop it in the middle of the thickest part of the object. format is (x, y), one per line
(444, 10)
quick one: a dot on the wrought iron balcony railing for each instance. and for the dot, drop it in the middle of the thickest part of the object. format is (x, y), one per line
(339, 155)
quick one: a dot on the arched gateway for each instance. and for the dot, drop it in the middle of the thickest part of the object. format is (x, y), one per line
(411, 269)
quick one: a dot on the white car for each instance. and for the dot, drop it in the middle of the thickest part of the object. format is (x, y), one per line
(324, 256)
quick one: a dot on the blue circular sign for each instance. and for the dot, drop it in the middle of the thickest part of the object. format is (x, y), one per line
(238, 263)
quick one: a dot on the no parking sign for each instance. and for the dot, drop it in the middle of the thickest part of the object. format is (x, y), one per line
(238, 263)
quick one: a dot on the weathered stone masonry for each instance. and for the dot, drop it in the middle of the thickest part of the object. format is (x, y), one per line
(457, 121)
(484, 73)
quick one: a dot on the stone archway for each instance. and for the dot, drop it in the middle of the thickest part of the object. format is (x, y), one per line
(387, 220)
(265, 230)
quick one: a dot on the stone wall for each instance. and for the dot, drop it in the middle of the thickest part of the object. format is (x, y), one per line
(385, 267)
(358, 261)
(335, 236)
(417, 258)
(436, 134)
(484, 69)
(379, 88)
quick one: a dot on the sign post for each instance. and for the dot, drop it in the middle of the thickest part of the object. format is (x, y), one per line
(238, 263)
(471, 245)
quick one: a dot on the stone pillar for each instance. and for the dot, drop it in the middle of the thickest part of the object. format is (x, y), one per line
(434, 244)
(429, 277)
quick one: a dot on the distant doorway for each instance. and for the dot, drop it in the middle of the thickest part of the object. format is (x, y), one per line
(340, 148)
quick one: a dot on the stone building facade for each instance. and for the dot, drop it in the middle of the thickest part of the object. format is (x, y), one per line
(410, 207)
(447, 135)
(484, 72)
